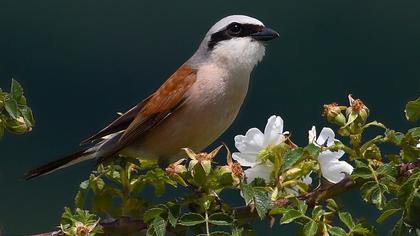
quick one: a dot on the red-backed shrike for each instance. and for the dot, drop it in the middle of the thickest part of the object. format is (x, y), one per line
(192, 108)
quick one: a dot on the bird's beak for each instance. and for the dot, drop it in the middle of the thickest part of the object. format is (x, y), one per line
(265, 34)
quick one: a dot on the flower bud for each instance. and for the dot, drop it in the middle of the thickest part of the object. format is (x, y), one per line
(18, 126)
(176, 168)
(357, 108)
(333, 114)
(81, 229)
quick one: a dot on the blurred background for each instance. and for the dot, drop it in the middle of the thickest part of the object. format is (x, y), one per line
(80, 62)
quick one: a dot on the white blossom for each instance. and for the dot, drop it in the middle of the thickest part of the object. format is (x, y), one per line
(332, 169)
(250, 144)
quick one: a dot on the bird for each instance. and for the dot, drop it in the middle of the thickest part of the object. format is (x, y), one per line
(192, 108)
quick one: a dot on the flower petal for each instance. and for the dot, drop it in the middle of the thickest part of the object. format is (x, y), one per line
(326, 137)
(245, 159)
(252, 142)
(259, 171)
(312, 135)
(332, 169)
(273, 131)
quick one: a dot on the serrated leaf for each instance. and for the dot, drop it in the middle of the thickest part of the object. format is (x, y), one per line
(346, 218)
(291, 157)
(173, 214)
(220, 219)
(290, 215)
(362, 172)
(191, 219)
(16, 90)
(412, 110)
(331, 204)
(386, 214)
(247, 193)
(159, 226)
(367, 189)
(262, 203)
(337, 231)
(100, 183)
(310, 228)
(359, 229)
(152, 213)
(11, 107)
(317, 212)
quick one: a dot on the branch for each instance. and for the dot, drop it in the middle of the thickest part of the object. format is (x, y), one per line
(127, 225)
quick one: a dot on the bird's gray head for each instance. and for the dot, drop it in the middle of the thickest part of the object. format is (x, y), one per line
(236, 41)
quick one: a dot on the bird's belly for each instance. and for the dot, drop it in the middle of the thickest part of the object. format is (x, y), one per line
(205, 115)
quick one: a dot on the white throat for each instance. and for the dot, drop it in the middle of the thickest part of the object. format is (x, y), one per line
(238, 54)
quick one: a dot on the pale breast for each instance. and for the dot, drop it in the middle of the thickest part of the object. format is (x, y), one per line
(212, 105)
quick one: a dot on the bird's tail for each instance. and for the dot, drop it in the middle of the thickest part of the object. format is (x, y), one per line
(69, 160)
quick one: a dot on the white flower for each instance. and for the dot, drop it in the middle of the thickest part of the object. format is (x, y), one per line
(250, 144)
(332, 169)
(418, 145)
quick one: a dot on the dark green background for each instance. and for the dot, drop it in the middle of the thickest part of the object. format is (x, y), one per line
(82, 61)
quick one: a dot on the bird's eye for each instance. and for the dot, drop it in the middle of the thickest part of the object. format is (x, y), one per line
(235, 29)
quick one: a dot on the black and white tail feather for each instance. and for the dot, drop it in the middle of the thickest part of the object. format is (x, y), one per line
(98, 151)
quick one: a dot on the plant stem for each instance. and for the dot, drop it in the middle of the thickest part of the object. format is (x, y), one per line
(207, 224)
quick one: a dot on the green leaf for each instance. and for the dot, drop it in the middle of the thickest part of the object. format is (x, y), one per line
(220, 219)
(346, 218)
(152, 213)
(16, 90)
(173, 214)
(291, 157)
(11, 107)
(317, 212)
(28, 116)
(159, 226)
(200, 175)
(302, 207)
(337, 231)
(331, 204)
(386, 214)
(367, 189)
(100, 183)
(359, 229)
(362, 172)
(79, 200)
(290, 215)
(237, 231)
(262, 203)
(312, 150)
(247, 193)
(310, 228)
(412, 110)
(191, 219)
